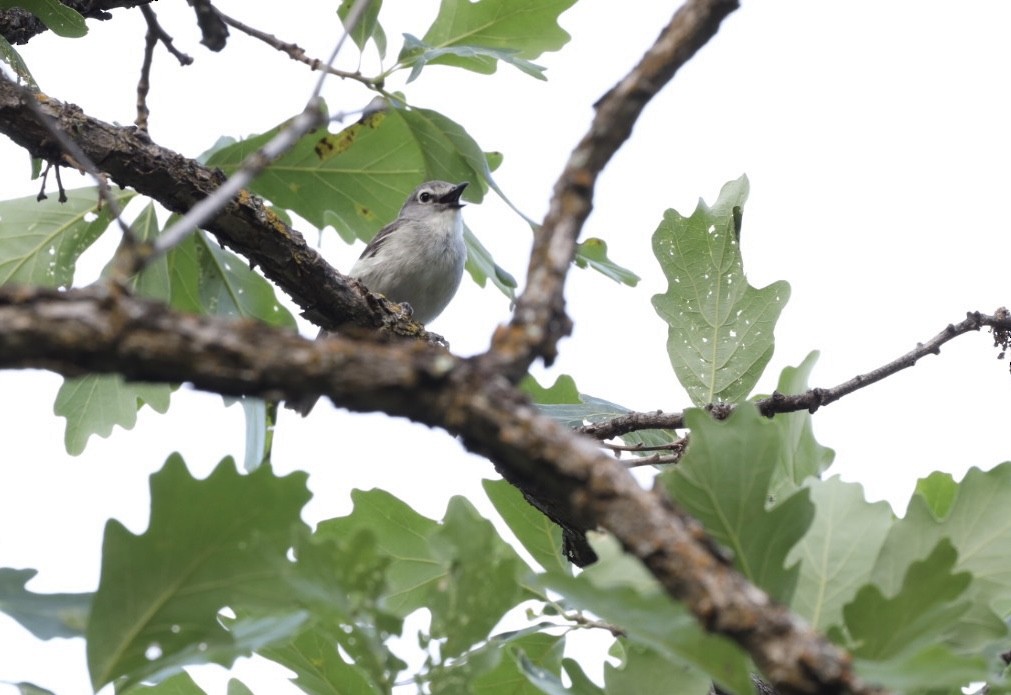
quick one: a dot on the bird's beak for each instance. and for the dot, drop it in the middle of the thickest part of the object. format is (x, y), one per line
(453, 197)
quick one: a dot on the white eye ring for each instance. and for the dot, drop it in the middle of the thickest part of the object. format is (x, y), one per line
(425, 197)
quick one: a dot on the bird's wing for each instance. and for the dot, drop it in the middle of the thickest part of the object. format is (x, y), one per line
(379, 239)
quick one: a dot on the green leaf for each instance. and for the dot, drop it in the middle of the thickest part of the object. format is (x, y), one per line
(979, 528)
(838, 551)
(541, 537)
(562, 391)
(96, 403)
(932, 669)
(40, 242)
(44, 615)
(925, 606)
(802, 457)
(482, 580)
(515, 30)
(483, 267)
(10, 56)
(319, 667)
(647, 672)
(592, 253)
(368, 26)
(417, 54)
(721, 329)
(153, 281)
(723, 481)
(63, 20)
(207, 279)
(403, 535)
(939, 492)
(540, 650)
(210, 544)
(632, 600)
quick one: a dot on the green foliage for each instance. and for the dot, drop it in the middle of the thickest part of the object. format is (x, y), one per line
(592, 253)
(96, 403)
(44, 615)
(476, 35)
(721, 329)
(724, 479)
(838, 551)
(368, 26)
(40, 241)
(210, 544)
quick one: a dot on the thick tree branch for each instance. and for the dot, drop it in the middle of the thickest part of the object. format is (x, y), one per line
(812, 399)
(19, 25)
(539, 321)
(99, 329)
(245, 224)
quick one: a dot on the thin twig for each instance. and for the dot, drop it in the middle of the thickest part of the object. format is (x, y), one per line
(153, 27)
(814, 398)
(294, 51)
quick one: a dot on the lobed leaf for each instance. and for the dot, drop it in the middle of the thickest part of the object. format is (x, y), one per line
(720, 334)
(44, 615)
(723, 480)
(96, 403)
(210, 544)
(837, 553)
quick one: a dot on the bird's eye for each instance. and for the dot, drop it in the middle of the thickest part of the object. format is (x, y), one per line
(425, 197)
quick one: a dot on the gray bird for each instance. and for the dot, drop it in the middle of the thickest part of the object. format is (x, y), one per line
(417, 259)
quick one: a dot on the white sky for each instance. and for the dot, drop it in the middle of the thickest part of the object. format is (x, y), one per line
(875, 138)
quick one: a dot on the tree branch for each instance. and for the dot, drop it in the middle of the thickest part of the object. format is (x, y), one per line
(245, 224)
(100, 329)
(539, 320)
(812, 399)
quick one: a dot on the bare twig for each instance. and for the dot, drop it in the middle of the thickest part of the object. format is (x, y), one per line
(295, 52)
(104, 330)
(812, 399)
(155, 29)
(539, 320)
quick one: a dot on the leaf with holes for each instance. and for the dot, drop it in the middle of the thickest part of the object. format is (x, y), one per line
(720, 334)
(40, 242)
(210, 544)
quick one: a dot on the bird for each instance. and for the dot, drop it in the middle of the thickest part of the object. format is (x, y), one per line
(416, 260)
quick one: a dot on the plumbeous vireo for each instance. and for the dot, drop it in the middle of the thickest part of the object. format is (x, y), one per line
(417, 259)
